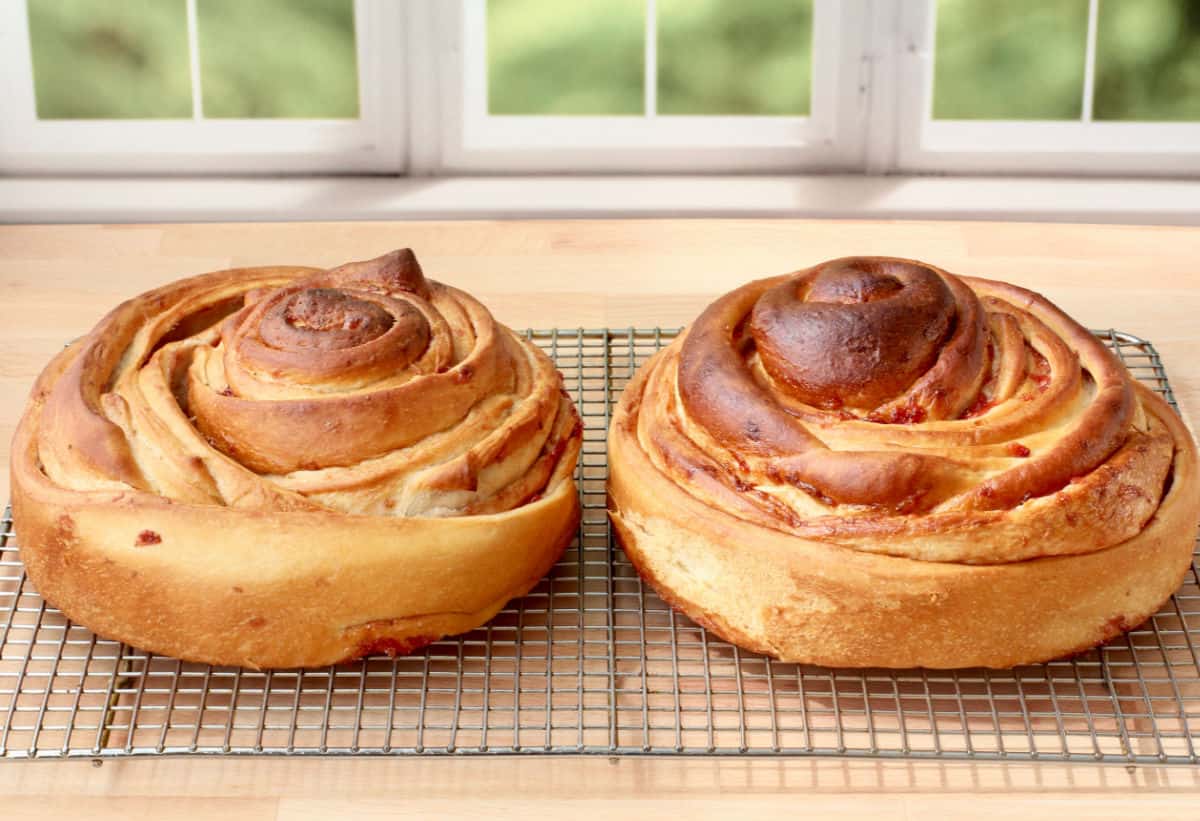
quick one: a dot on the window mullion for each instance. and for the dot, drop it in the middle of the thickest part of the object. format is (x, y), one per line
(16, 66)
(650, 82)
(428, 107)
(193, 36)
(1089, 65)
(382, 78)
(881, 74)
(913, 72)
(838, 91)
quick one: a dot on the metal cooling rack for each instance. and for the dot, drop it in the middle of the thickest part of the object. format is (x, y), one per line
(593, 662)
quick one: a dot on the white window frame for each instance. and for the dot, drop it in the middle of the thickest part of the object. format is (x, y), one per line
(423, 88)
(458, 135)
(1084, 147)
(375, 141)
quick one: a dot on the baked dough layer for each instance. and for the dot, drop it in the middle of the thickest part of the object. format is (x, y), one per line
(1045, 507)
(289, 467)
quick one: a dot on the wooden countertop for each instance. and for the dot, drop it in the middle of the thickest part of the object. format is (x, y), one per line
(56, 281)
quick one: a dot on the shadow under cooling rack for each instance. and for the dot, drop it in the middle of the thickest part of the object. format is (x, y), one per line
(593, 662)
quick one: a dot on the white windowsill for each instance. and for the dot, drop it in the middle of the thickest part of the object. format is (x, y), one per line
(197, 199)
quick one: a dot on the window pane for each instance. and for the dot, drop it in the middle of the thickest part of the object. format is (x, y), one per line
(1148, 60)
(1016, 60)
(558, 57)
(748, 57)
(110, 58)
(278, 58)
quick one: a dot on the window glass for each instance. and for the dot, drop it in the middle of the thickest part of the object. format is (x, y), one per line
(102, 59)
(748, 57)
(577, 57)
(1148, 60)
(1011, 60)
(278, 58)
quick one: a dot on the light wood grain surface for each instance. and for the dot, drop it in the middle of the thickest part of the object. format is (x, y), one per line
(56, 281)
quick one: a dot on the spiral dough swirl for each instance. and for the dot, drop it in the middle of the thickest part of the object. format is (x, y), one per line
(885, 405)
(365, 389)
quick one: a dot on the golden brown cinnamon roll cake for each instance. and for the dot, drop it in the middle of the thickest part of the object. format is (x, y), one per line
(873, 462)
(283, 467)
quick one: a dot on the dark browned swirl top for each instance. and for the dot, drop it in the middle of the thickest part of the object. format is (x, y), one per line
(873, 397)
(860, 333)
(365, 389)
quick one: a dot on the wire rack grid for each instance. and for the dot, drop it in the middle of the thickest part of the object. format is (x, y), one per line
(592, 661)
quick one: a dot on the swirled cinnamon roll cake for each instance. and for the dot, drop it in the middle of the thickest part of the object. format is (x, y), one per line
(874, 462)
(284, 467)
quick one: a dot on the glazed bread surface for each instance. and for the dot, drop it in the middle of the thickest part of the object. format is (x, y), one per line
(874, 462)
(287, 467)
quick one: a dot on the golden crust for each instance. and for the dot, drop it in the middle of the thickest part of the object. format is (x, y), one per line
(785, 571)
(136, 526)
